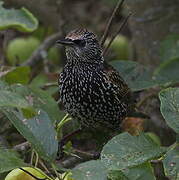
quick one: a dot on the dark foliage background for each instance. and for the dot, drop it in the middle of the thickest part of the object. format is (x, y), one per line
(146, 54)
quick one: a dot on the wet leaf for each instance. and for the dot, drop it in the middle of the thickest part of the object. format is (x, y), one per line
(141, 172)
(38, 130)
(137, 76)
(12, 99)
(18, 75)
(15, 100)
(169, 107)
(171, 163)
(170, 48)
(49, 104)
(125, 151)
(40, 99)
(9, 160)
(20, 19)
(91, 170)
(117, 175)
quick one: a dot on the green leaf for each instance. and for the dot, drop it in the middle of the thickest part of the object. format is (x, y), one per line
(171, 163)
(137, 76)
(125, 151)
(141, 172)
(117, 175)
(167, 72)
(91, 170)
(40, 100)
(49, 104)
(18, 75)
(20, 19)
(12, 99)
(38, 130)
(170, 107)
(9, 160)
(170, 48)
(3, 85)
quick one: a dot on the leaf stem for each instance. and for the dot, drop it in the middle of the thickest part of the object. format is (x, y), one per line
(54, 168)
(36, 159)
(63, 121)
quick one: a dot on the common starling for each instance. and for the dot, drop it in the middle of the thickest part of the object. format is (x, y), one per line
(91, 90)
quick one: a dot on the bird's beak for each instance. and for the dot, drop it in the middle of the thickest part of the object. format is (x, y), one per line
(66, 42)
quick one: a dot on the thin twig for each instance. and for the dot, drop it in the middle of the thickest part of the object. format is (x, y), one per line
(114, 36)
(32, 156)
(54, 168)
(44, 166)
(22, 147)
(36, 159)
(143, 101)
(108, 26)
(38, 53)
(85, 155)
(49, 85)
(72, 161)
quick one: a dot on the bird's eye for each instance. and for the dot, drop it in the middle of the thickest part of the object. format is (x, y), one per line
(80, 42)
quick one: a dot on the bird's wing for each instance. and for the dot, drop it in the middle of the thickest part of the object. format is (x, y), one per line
(124, 91)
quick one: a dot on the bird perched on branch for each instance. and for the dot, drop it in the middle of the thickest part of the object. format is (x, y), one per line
(91, 90)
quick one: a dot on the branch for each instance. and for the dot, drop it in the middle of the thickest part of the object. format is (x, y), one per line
(22, 147)
(81, 157)
(70, 162)
(106, 32)
(41, 50)
(114, 36)
(49, 85)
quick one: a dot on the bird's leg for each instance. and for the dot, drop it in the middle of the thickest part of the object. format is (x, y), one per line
(64, 140)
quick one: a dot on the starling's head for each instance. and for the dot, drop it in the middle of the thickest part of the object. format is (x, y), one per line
(82, 46)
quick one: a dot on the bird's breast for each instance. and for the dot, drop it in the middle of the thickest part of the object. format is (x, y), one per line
(84, 88)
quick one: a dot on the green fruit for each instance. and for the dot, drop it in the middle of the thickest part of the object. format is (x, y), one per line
(154, 137)
(39, 80)
(20, 49)
(120, 47)
(18, 174)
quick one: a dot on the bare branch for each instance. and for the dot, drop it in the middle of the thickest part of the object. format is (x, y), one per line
(81, 157)
(115, 34)
(48, 85)
(39, 52)
(22, 147)
(108, 26)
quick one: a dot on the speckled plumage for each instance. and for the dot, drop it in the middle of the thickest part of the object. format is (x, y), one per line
(91, 90)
